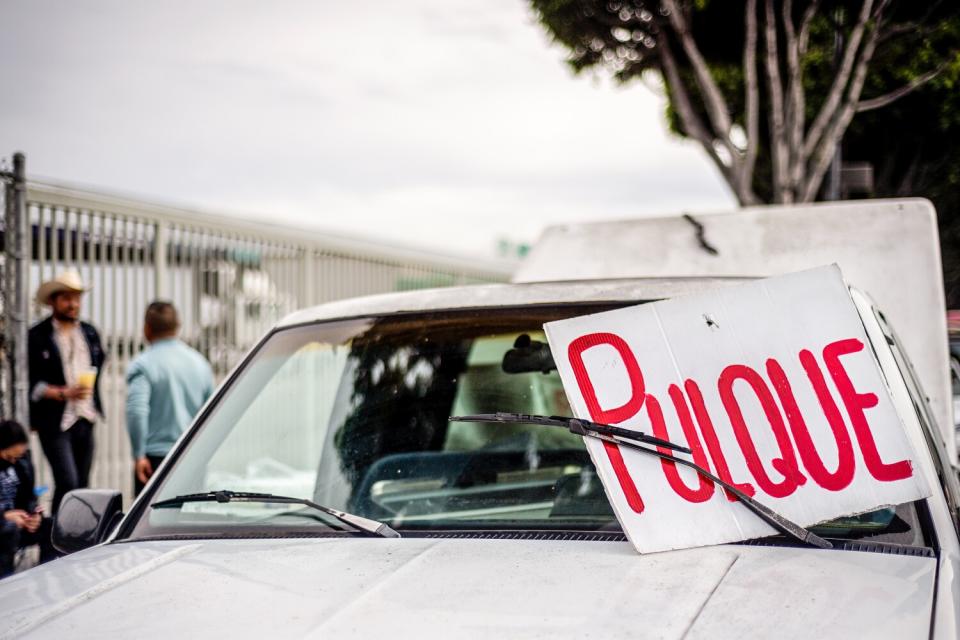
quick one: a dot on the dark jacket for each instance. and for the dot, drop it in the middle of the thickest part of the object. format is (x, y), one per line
(47, 366)
(25, 498)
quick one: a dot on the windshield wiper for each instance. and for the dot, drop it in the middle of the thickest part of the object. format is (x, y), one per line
(574, 425)
(631, 440)
(366, 525)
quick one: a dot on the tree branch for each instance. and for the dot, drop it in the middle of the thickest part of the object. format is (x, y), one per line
(899, 29)
(803, 39)
(796, 106)
(921, 27)
(896, 94)
(841, 120)
(713, 99)
(751, 98)
(692, 123)
(837, 90)
(775, 111)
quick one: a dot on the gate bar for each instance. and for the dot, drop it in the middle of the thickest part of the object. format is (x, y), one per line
(16, 289)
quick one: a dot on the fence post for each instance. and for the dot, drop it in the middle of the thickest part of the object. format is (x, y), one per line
(309, 281)
(16, 258)
(160, 289)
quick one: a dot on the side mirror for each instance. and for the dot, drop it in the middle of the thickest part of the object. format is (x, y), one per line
(85, 518)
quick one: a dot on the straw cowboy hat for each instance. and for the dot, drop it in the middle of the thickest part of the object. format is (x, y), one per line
(68, 280)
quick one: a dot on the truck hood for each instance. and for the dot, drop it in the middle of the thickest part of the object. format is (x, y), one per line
(466, 588)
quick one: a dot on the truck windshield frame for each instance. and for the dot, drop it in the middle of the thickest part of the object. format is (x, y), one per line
(354, 414)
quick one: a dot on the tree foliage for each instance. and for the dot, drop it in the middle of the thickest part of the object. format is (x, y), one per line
(769, 88)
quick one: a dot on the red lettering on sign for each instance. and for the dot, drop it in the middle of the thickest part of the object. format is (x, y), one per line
(812, 461)
(638, 389)
(786, 465)
(855, 404)
(700, 433)
(713, 443)
(617, 414)
(704, 490)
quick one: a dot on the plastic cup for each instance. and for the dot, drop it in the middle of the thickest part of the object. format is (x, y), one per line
(87, 377)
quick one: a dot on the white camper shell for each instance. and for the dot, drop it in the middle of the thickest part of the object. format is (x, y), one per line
(886, 248)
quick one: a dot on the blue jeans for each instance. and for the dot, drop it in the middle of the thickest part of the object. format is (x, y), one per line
(70, 454)
(12, 539)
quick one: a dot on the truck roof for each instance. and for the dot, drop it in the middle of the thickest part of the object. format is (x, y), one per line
(506, 295)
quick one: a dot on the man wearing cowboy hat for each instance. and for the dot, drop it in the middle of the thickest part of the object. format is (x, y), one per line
(65, 359)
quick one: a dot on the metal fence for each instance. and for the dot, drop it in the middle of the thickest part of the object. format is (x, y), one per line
(230, 279)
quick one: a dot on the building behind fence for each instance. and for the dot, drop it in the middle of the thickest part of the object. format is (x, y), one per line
(231, 280)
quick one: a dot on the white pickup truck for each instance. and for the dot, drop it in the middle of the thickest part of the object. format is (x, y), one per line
(323, 492)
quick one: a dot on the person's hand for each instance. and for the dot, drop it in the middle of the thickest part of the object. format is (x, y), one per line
(18, 517)
(76, 392)
(33, 522)
(143, 469)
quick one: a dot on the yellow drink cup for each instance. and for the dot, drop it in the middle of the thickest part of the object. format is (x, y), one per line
(86, 378)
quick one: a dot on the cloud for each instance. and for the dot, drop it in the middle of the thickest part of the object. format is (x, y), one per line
(447, 124)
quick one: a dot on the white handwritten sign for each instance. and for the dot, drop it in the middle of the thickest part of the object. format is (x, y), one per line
(772, 385)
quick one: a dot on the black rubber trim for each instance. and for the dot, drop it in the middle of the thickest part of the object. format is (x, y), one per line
(579, 536)
(616, 536)
(888, 548)
(571, 536)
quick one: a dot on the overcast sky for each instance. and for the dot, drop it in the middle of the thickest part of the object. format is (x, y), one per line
(442, 123)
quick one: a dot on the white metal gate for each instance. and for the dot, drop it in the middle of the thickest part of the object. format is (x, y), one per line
(230, 279)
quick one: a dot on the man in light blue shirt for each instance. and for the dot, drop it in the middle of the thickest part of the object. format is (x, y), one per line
(166, 386)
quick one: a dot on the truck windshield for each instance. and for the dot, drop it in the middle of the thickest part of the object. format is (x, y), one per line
(354, 415)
